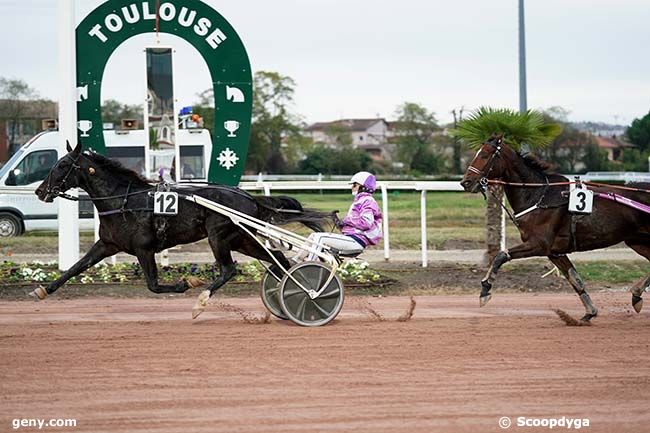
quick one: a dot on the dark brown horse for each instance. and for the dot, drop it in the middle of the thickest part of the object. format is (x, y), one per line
(547, 227)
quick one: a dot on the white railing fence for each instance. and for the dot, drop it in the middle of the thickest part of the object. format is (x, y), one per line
(383, 187)
(316, 183)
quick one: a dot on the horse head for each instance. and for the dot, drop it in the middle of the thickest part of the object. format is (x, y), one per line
(488, 163)
(65, 174)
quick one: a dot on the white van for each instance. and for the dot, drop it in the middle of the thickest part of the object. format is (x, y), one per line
(22, 211)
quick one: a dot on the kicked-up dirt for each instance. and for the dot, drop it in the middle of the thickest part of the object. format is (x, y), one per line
(142, 365)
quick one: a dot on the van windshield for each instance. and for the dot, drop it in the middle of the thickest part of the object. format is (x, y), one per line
(12, 161)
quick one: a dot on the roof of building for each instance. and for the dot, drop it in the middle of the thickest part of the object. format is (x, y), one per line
(351, 124)
(611, 143)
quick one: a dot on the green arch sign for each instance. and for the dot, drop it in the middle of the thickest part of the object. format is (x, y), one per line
(113, 22)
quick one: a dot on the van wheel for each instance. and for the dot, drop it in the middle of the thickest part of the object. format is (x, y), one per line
(10, 225)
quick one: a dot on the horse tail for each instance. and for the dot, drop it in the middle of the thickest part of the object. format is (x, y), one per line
(282, 209)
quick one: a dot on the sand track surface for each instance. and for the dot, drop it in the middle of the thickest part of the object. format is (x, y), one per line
(142, 365)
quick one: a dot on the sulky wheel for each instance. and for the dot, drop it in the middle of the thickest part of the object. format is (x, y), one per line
(299, 306)
(270, 294)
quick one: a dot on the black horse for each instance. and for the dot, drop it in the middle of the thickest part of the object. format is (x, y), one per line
(127, 222)
(546, 226)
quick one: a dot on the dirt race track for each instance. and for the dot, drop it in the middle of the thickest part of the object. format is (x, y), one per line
(141, 365)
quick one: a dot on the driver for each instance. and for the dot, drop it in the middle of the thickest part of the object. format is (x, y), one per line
(362, 225)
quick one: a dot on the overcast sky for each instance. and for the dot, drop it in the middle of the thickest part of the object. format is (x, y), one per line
(362, 58)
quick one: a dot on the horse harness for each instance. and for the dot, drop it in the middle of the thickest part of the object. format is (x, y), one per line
(484, 182)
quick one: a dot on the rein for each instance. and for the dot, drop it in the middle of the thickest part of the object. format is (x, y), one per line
(569, 182)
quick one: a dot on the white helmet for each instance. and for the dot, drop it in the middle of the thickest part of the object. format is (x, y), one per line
(365, 179)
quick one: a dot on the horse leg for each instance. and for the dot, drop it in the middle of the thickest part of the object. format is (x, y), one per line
(97, 253)
(644, 283)
(486, 283)
(527, 249)
(147, 261)
(569, 271)
(227, 270)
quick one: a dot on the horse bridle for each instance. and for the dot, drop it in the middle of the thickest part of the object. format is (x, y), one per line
(56, 190)
(488, 167)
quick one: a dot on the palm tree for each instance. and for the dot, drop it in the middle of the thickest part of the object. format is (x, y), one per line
(522, 131)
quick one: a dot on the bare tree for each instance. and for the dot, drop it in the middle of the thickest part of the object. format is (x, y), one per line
(458, 117)
(14, 95)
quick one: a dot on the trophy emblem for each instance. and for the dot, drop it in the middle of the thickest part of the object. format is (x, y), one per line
(231, 126)
(84, 126)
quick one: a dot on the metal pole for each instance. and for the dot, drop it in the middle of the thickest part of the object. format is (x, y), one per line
(68, 210)
(523, 102)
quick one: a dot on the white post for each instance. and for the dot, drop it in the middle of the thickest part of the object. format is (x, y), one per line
(423, 226)
(502, 242)
(68, 210)
(267, 189)
(96, 222)
(384, 204)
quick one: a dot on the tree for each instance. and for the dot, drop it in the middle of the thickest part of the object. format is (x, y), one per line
(639, 132)
(635, 160)
(456, 161)
(14, 95)
(570, 148)
(273, 121)
(114, 111)
(204, 107)
(530, 128)
(414, 130)
(295, 148)
(595, 158)
(322, 159)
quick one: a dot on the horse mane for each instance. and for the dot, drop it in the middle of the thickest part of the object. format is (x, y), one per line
(536, 163)
(116, 167)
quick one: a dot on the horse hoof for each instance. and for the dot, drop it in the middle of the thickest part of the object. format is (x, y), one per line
(587, 317)
(484, 300)
(201, 303)
(38, 293)
(637, 303)
(196, 312)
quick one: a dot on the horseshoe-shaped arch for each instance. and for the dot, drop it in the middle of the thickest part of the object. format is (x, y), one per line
(109, 25)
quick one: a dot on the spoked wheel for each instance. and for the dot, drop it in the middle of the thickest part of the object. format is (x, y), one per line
(270, 294)
(297, 304)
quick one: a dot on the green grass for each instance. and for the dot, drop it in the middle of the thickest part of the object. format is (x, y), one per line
(613, 272)
(450, 209)
(451, 216)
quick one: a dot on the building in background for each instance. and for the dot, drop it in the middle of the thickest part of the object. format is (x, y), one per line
(614, 146)
(370, 135)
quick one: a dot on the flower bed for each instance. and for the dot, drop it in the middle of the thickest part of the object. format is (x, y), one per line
(352, 272)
